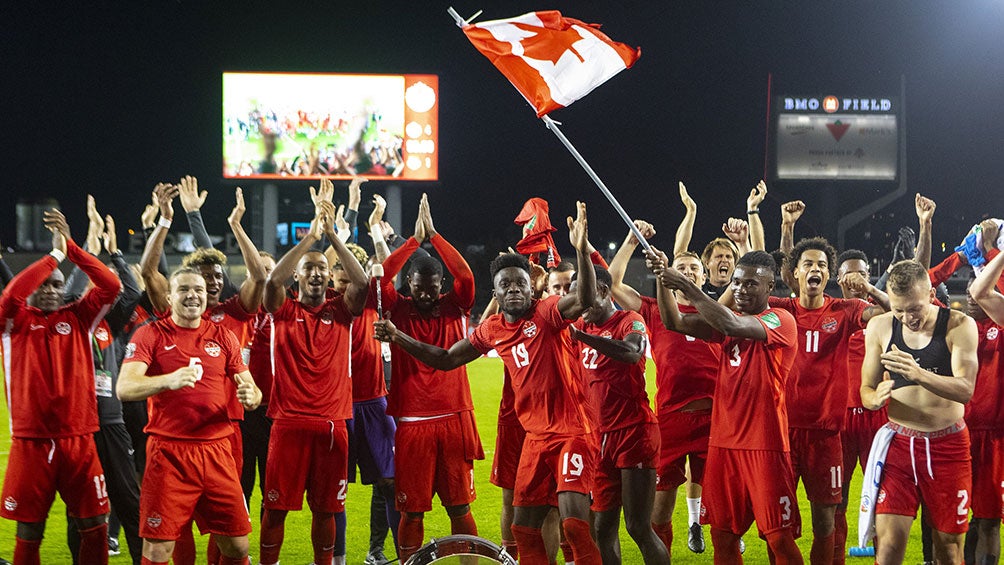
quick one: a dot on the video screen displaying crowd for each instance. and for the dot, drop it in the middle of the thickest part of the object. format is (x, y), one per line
(161, 398)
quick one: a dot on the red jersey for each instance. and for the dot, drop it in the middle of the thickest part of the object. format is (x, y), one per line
(48, 359)
(985, 411)
(419, 390)
(507, 404)
(817, 386)
(260, 355)
(548, 398)
(855, 358)
(685, 367)
(616, 389)
(749, 409)
(198, 413)
(310, 347)
(367, 359)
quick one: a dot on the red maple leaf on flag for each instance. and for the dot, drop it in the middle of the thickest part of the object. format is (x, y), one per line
(557, 44)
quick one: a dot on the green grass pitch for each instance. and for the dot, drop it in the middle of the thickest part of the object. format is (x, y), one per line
(486, 381)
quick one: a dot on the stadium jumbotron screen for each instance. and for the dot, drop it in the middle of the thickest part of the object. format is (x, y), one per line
(286, 125)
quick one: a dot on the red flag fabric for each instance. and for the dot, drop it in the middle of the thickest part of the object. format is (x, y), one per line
(552, 60)
(537, 230)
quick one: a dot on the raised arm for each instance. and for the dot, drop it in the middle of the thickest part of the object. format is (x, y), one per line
(790, 213)
(738, 232)
(148, 219)
(859, 284)
(125, 305)
(686, 229)
(983, 291)
(355, 293)
(22, 285)
(376, 228)
(925, 212)
(573, 304)
(253, 288)
(192, 201)
(460, 353)
(275, 284)
(463, 277)
(155, 282)
(716, 315)
(753, 201)
(625, 296)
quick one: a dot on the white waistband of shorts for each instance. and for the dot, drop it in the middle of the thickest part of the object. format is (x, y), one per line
(423, 418)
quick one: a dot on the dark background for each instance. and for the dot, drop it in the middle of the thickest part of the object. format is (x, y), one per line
(109, 98)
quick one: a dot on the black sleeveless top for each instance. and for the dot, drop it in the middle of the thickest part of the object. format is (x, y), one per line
(935, 357)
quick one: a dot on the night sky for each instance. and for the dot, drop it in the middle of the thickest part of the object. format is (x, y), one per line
(111, 100)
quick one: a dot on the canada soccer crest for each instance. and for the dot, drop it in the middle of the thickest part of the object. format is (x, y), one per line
(101, 334)
(154, 520)
(829, 325)
(529, 329)
(992, 333)
(212, 348)
(62, 328)
(273, 495)
(217, 317)
(10, 504)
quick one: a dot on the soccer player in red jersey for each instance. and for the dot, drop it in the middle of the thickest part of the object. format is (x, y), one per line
(985, 413)
(611, 347)
(748, 474)
(816, 390)
(922, 361)
(311, 388)
(188, 369)
(860, 424)
(437, 438)
(530, 336)
(685, 369)
(50, 393)
(235, 313)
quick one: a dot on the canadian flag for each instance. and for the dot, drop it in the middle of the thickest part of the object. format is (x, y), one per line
(552, 60)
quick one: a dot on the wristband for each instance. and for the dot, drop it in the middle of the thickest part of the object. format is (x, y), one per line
(164, 223)
(58, 255)
(748, 212)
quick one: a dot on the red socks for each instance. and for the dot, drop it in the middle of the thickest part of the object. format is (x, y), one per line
(184, 547)
(726, 546)
(410, 534)
(665, 533)
(322, 536)
(463, 524)
(272, 531)
(822, 550)
(531, 545)
(94, 545)
(583, 547)
(26, 551)
(782, 543)
(839, 538)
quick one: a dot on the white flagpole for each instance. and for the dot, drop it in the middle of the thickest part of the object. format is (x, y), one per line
(553, 126)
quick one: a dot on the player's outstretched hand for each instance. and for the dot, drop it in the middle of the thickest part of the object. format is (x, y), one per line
(238, 212)
(384, 330)
(925, 208)
(55, 222)
(688, 202)
(185, 376)
(737, 230)
(109, 237)
(188, 191)
(148, 218)
(757, 194)
(792, 211)
(578, 232)
(165, 199)
(647, 231)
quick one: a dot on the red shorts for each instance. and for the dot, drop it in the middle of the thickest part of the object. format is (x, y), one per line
(856, 438)
(683, 435)
(436, 457)
(636, 447)
(934, 468)
(745, 485)
(39, 468)
(817, 458)
(237, 445)
(553, 464)
(508, 447)
(988, 473)
(311, 457)
(191, 478)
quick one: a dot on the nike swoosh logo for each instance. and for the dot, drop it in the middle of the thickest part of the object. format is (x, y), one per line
(36, 327)
(170, 347)
(132, 451)
(299, 319)
(570, 480)
(961, 521)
